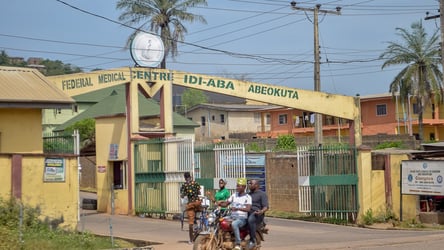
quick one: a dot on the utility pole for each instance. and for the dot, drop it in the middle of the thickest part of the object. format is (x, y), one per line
(441, 8)
(317, 64)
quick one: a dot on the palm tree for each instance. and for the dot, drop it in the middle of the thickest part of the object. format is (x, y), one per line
(166, 16)
(421, 78)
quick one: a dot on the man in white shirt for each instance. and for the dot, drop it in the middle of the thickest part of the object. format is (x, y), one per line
(240, 206)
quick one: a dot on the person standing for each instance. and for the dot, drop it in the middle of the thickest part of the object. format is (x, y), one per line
(221, 196)
(259, 205)
(240, 206)
(191, 190)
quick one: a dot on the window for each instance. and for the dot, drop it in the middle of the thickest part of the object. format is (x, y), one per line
(75, 108)
(257, 117)
(283, 119)
(213, 118)
(119, 175)
(202, 120)
(381, 109)
(222, 118)
(267, 119)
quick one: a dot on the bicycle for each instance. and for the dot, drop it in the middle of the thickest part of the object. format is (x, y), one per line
(201, 220)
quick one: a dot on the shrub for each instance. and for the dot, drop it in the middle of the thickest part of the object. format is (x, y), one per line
(285, 142)
(368, 217)
(391, 144)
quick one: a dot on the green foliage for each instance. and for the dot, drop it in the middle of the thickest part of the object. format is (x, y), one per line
(51, 67)
(285, 142)
(192, 97)
(59, 68)
(58, 144)
(383, 216)
(420, 77)
(9, 211)
(412, 224)
(392, 144)
(37, 234)
(4, 58)
(368, 217)
(6, 61)
(336, 221)
(163, 17)
(254, 147)
(87, 130)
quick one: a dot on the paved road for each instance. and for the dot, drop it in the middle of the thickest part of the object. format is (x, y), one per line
(284, 234)
(288, 234)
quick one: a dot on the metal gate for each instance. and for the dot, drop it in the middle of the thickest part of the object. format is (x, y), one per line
(159, 165)
(328, 181)
(215, 161)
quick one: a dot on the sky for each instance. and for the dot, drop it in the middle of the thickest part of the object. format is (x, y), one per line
(264, 41)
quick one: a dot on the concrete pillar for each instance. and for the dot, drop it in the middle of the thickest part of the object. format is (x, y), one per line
(364, 180)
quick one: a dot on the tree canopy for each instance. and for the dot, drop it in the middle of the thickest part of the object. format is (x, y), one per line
(421, 77)
(51, 68)
(192, 97)
(164, 16)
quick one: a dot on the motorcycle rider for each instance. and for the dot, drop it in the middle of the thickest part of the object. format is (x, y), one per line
(258, 208)
(240, 206)
(191, 190)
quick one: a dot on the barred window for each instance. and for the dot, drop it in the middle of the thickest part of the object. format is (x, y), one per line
(381, 109)
(282, 119)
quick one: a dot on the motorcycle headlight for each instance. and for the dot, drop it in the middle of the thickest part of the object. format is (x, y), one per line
(211, 218)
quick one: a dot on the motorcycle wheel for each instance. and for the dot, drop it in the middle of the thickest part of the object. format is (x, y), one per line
(258, 242)
(203, 242)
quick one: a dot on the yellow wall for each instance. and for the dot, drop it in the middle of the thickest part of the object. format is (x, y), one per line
(21, 131)
(377, 195)
(110, 131)
(409, 202)
(364, 184)
(56, 200)
(5, 176)
(372, 189)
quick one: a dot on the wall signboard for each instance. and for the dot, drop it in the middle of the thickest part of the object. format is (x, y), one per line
(422, 177)
(54, 170)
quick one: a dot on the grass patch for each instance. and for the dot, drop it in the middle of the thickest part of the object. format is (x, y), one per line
(305, 217)
(31, 233)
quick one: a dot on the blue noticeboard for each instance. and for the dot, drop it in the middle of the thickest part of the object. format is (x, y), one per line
(255, 168)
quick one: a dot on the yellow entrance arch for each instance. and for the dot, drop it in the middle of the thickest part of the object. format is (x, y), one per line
(152, 81)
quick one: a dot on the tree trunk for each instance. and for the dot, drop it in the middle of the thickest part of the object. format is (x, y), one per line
(420, 121)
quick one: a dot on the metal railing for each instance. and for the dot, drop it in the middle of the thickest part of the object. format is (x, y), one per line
(58, 143)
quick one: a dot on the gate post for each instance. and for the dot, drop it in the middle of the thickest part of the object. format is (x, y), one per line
(364, 181)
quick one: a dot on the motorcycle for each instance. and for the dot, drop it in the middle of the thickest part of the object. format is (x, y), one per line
(220, 235)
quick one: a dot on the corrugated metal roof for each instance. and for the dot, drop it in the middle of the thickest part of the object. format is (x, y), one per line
(114, 105)
(25, 87)
(376, 96)
(235, 107)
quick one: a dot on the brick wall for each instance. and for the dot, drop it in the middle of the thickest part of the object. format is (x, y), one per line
(282, 181)
(370, 140)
